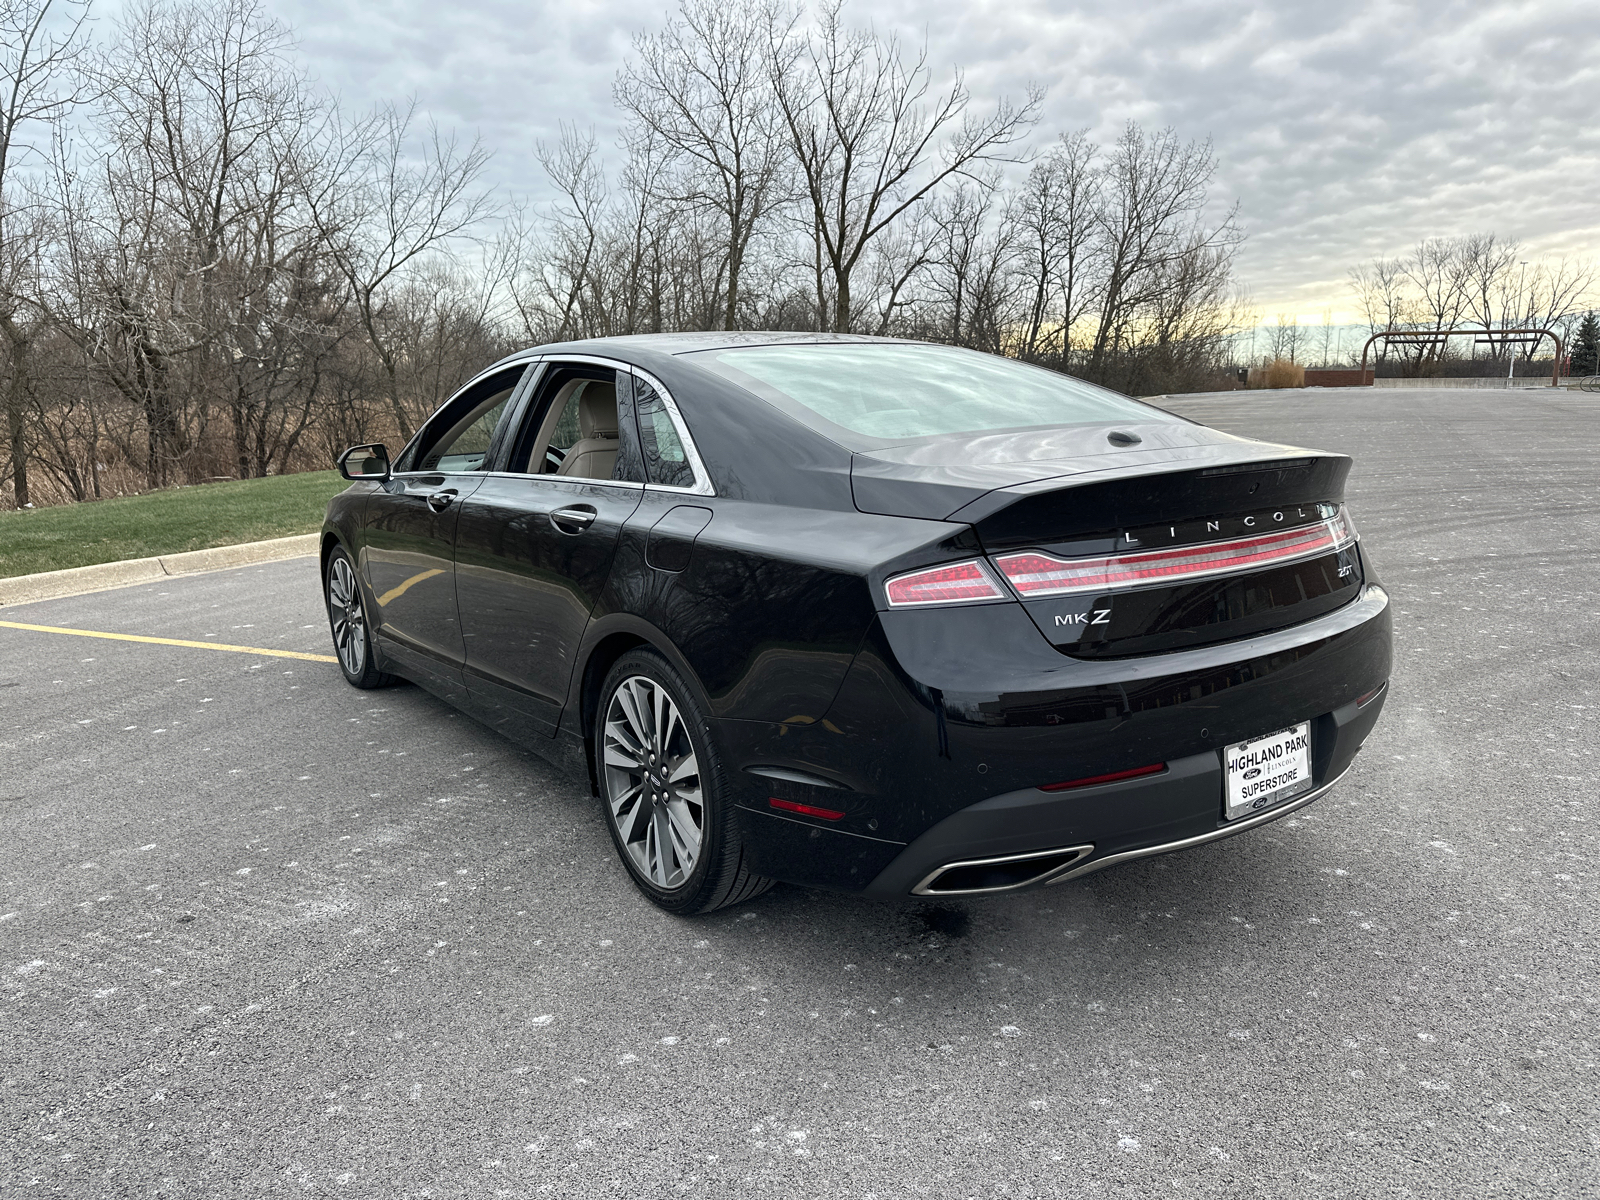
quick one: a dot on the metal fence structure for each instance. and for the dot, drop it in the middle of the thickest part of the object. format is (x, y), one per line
(1477, 383)
(1428, 337)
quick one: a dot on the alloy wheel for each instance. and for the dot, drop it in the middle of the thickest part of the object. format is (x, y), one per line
(349, 620)
(652, 782)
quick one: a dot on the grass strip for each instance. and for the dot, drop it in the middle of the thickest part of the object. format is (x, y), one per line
(165, 522)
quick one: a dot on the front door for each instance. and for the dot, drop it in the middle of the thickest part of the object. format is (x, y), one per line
(534, 545)
(408, 554)
(410, 566)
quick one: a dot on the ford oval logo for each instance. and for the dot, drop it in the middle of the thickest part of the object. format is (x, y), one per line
(1252, 772)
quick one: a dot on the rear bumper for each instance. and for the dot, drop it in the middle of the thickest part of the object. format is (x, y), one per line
(946, 725)
(1106, 825)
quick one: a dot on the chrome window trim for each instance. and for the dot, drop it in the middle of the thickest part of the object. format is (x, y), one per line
(553, 478)
(524, 363)
(702, 477)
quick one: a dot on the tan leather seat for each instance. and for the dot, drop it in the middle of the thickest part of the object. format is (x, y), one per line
(594, 455)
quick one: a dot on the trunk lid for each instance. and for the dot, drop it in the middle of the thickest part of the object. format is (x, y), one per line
(1066, 496)
(938, 478)
(1131, 517)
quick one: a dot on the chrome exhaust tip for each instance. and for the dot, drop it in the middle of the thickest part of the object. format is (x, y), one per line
(1005, 873)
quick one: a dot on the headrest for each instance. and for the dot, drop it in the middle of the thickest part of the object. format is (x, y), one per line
(597, 410)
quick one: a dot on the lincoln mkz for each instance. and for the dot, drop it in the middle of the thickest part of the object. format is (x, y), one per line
(865, 614)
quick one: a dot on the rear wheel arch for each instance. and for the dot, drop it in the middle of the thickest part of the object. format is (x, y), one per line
(619, 634)
(605, 652)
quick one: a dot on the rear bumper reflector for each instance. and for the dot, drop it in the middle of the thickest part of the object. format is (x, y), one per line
(1091, 780)
(1369, 697)
(805, 810)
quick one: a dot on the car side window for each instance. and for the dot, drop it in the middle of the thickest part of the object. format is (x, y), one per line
(466, 428)
(574, 428)
(665, 459)
(566, 433)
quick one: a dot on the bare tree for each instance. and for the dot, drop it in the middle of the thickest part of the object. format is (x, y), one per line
(233, 278)
(700, 89)
(396, 198)
(900, 259)
(1557, 290)
(1480, 279)
(1489, 263)
(1152, 217)
(203, 284)
(39, 55)
(1439, 271)
(1283, 338)
(1381, 288)
(869, 143)
(969, 263)
(1057, 252)
(569, 259)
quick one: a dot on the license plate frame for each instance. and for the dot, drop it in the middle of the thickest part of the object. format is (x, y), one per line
(1263, 772)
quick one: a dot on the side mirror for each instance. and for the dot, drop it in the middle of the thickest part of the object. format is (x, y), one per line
(365, 462)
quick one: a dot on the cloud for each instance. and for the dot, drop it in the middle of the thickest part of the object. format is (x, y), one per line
(1345, 130)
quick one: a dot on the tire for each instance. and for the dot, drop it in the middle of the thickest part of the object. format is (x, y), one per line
(347, 620)
(670, 815)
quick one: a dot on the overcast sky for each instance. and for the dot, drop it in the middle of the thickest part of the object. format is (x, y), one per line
(1344, 128)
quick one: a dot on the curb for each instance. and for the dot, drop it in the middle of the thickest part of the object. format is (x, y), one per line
(76, 581)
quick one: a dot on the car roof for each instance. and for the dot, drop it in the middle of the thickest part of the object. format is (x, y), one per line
(690, 343)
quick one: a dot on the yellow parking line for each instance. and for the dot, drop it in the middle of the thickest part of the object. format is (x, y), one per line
(133, 637)
(395, 593)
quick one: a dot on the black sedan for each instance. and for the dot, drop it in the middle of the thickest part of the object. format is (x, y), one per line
(866, 614)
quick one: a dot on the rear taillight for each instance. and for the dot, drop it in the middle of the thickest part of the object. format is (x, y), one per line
(1038, 574)
(951, 584)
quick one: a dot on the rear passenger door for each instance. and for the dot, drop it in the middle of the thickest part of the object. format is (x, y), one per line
(536, 541)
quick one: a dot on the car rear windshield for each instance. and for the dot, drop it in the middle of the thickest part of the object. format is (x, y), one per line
(893, 392)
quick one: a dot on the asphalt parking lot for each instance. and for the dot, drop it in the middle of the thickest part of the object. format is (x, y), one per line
(262, 933)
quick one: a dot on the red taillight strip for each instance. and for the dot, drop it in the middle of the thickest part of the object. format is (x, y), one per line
(1038, 574)
(805, 810)
(952, 583)
(1090, 781)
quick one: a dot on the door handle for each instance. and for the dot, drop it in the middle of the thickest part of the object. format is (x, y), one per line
(440, 501)
(573, 520)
